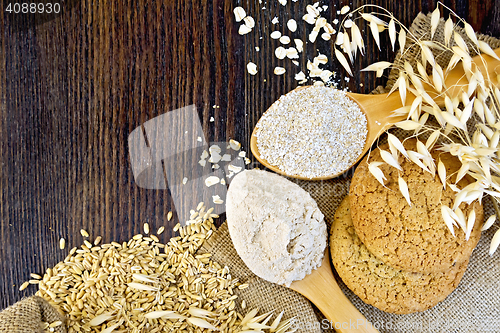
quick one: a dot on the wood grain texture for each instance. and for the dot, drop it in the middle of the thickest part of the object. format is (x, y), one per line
(74, 88)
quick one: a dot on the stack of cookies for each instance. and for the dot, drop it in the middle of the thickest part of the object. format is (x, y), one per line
(396, 257)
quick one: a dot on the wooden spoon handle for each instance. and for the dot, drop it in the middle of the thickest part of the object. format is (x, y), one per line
(321, 288)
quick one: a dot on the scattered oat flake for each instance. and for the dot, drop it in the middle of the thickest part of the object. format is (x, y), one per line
(239, 14)
(295, 62)
(299, 44)
(275, 20)
(292, 53)
(242, 153)
(244, 29)
(280, 52)
(300, 76)
(292, 25)
(344, 10)
(223, 181)
(234, 168)
(275, 35)
(283, 2)
(217, 200)
(312, 36)
(235, 145)
(325, 75)
(199, 139)
(184, 180)
(249, 22)
(279, 70)
(257, 48)
(212, 119)
(252, 68)
(326, 36)
(226, 158)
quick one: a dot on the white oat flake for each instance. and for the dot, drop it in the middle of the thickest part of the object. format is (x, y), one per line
(252, 68)
(279, 70)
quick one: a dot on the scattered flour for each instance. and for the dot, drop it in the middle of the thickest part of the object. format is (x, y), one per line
(276, 227)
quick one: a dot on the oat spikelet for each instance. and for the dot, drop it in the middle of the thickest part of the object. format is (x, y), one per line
(437, 80)
(485, 48)
(347, 47)
(111, 328)
(140, 286)
(251, 314)
(470, 33)
(451, 119)
(389, 159)
(403, 188)
(163, 314)
(202, 323)
(470, 224)
(100, 319)
(489, 222)
(202, 313)
(394, 142)
(427, 54)
(378, 67)
(460, 42)
(415, 105)
(431, 141)
(408, 125)
(343, 61)
(442, 173)
(495, 242)
(467, 112)
(276, 321)
(448, 220)
(357, 38)
(402, 87)
(375, 33)
(434, 21)
(448, 29)
(374, 169)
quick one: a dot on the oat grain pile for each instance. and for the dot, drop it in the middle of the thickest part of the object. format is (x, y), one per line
(312, 132)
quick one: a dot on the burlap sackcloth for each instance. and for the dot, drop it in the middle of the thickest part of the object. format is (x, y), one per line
(473, 307)
(27, 316)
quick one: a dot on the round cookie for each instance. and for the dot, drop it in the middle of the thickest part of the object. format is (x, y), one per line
(378, 284)
(413, 238)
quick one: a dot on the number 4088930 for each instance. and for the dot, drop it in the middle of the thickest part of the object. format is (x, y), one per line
(33, 8)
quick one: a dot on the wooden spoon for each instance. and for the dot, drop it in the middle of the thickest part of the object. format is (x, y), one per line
(321, 288)
(379, 109)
